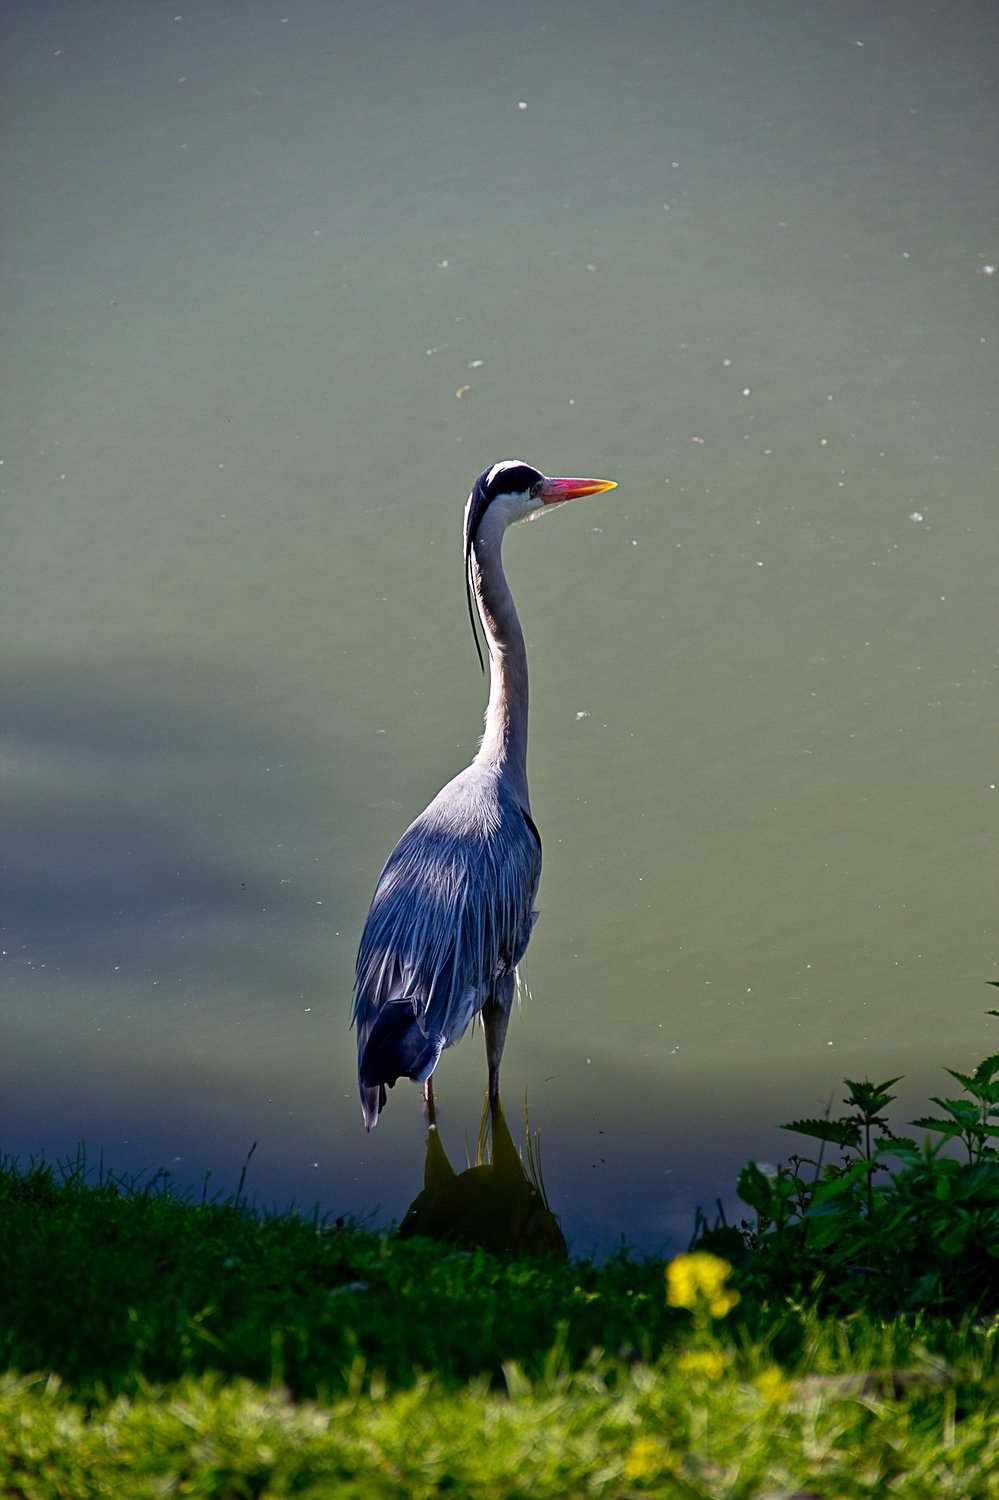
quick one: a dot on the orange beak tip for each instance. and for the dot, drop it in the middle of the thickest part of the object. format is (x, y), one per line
(554, 491)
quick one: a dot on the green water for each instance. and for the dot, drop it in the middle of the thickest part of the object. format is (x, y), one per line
(736, 257)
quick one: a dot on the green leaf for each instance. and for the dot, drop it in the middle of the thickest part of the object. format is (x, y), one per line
(838, 1187)
(870, 1097)
(896, 1145)
(962, 1110)
(840, 1132)
(755, 1188)
(946, 1127)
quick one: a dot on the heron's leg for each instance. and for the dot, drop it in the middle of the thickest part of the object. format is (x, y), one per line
(495, 1020)
(428, 1102)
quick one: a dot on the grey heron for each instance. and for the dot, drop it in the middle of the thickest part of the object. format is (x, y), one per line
(453, 909)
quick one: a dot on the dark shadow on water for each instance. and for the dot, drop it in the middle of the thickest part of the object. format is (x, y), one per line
(496, 1205)
(146, 810)
(171, 876)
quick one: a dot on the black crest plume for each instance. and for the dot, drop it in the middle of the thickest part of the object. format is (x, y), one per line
(475, 509)
(508, 478)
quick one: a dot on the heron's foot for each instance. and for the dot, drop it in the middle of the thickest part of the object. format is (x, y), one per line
(429, 1105)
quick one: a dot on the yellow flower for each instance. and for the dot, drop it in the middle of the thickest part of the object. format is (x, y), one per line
(773, 1385)
(709, 1362)
(700, 1275)
(646, 1458)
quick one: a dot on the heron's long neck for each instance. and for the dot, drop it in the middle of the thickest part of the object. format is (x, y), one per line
(504, 744)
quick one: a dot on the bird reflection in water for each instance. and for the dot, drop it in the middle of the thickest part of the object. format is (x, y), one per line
(496, 1205)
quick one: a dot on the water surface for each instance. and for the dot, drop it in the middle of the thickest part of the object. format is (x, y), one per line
(738, 258)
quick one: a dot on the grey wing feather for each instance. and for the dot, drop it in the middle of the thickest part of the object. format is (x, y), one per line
(452, 912)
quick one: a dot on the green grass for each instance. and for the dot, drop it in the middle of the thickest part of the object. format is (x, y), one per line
(185, 1349)
(111, 1286)
(847, 1344)
(605, 1431)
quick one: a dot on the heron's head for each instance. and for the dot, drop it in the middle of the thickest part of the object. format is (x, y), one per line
(518, 491)
(515, 491)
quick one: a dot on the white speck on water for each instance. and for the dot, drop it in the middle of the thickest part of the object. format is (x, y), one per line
(583, 713)
(916, 515)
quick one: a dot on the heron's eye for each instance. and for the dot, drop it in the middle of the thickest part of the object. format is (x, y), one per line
(536, 489)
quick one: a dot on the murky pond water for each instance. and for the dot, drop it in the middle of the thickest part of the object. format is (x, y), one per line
(279, 281)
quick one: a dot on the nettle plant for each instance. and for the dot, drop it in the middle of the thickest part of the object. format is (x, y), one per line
(878, 1221)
